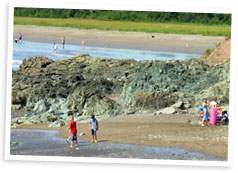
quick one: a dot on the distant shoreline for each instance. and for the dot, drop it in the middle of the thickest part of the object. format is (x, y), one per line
(118, 39)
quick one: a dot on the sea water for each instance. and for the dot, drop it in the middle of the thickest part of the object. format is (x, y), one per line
(29, 49)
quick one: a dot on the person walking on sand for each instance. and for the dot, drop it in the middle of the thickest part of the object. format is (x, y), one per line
(73, 131)
(55, 48)
(70, 137)
(63, 41)
(93, 126)
(205, 113)
(213, 112)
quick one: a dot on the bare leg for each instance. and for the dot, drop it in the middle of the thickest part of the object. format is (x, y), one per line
(95, 138)
(68, 139)
(92, 141)
(72, 144)
(202, 122)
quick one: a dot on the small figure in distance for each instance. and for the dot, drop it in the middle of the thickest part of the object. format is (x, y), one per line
(93, 126)
(16, 40)
(186, 46)
(55, 48)
(200, 115)
(206, 116)
(83, 44)
(20, 37)
(63, 41)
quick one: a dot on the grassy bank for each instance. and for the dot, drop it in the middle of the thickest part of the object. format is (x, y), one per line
(193, 29)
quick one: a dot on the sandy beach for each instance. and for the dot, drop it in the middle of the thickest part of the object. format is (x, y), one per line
(180, 131)
(148, 130)
(117, 39)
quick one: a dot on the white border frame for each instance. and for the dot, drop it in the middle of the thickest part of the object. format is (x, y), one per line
(132, 7)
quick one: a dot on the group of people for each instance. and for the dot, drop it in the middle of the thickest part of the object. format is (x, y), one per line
(19, 39)
(55, 47)
(208, 113)
(93, 127)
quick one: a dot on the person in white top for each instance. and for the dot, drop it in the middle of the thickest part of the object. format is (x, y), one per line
(93, 126)
(55, 48)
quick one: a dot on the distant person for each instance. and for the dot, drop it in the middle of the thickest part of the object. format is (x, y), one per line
(213, 112)
(55, 47)
(83, 44)
(200, 115)
(186, 46)
(63, 42)
(205, 113)
(16, 40)
(73, 131)
(20, 37)
(93, 126)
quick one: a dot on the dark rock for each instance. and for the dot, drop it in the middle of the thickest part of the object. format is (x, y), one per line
(34, 65)
(92, 102)
(152, 100)
(83, 85)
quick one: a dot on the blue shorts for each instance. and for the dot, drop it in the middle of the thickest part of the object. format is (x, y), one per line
(93, 132)
(74, 137)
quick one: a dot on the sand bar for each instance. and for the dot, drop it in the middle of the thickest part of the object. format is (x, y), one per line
(118, 39)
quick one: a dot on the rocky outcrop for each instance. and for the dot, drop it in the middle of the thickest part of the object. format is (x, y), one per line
(51, 91)
(189, 78)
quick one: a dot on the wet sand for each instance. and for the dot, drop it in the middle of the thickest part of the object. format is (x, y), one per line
(149, 130)
(117, 39)
(45, 143)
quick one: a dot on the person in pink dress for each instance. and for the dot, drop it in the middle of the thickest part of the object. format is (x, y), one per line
(83, 44)
(213, 112)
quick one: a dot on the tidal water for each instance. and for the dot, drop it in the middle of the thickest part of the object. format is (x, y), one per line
(29, 49)
(46, 143)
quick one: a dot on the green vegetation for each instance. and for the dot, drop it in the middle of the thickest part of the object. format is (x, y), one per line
(208, 52)
(150, 27)
(136, 16)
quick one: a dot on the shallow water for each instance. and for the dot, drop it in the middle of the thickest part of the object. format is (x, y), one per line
(29, 49)
(46, 143)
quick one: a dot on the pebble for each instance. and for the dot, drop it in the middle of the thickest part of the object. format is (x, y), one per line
(82, 134)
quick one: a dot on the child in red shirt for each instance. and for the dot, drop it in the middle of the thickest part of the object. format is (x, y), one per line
(73, 131)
